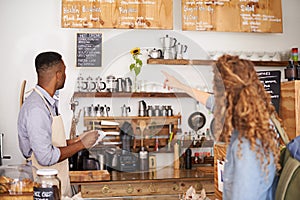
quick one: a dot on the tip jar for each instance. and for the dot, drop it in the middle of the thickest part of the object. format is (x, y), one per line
(48, 185)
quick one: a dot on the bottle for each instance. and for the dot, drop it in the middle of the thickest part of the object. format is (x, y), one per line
(144, 160)
(176, 156)
(188, 158)
(294, 55)
(156, 144)
(179, 133)
(48, 185)
(290, 71)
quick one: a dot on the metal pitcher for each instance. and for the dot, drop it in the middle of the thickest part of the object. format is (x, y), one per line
(142, 108)
(125, 110)
(128, 84)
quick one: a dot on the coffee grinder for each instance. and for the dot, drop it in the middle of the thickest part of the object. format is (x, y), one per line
(128, 160)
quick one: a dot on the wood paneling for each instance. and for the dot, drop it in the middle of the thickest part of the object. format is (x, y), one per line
(290, 107)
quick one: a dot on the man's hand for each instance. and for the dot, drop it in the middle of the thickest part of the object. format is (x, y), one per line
(89, 138)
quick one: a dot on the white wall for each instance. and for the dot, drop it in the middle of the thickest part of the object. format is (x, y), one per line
(31, 26)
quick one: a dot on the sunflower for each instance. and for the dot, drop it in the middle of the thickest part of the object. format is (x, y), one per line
(135, 51)
(137, 65)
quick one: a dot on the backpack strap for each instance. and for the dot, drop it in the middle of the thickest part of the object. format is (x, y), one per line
(280, 130)
(285, 177)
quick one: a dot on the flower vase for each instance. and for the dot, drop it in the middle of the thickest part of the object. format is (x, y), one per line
(135, 85)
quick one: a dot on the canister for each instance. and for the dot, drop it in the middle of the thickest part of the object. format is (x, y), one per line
(48, 185)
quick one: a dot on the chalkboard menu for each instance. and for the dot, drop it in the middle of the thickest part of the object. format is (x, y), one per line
(232, 15)
(128, 14)
(89, 50)
(271, 81)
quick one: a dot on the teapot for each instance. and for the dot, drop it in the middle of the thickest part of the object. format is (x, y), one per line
(155, 53)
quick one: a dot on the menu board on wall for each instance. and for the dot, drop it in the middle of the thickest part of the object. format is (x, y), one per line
(123, 14)
(271, 81)
(232, 15)
(89, 50)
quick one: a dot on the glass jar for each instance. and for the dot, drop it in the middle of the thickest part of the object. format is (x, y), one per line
(48, 185)
(16, 179)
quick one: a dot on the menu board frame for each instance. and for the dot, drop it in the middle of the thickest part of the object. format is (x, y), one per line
(272, 84)
(255, 16)
(89, 49)
(117, 14)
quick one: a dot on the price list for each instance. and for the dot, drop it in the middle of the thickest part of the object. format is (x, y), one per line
(89, 50)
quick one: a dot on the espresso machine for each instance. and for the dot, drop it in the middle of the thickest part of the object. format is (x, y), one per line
(128, 160)
(168, 44)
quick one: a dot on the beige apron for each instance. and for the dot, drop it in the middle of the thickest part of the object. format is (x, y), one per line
(58, 140)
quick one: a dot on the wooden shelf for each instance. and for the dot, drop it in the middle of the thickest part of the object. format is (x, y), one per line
(210, 62)
(129, 94)
(150, 121)
(155, 126)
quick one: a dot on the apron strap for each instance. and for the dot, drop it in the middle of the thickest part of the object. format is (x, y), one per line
(42, 96)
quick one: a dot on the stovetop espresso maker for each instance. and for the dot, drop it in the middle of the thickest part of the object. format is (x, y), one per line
(168, 44)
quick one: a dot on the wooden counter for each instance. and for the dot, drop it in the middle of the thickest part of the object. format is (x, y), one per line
(164, 183)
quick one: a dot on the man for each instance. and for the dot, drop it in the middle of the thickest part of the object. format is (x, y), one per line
(41, 134)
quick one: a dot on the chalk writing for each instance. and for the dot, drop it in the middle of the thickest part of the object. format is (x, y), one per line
(89, 49)
(271, 82)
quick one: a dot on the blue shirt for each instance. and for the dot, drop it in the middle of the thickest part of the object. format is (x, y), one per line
(244, 178)
(34, 128)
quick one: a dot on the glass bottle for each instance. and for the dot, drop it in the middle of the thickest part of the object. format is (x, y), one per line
(290, 71)
(48, 185)
(188, 158)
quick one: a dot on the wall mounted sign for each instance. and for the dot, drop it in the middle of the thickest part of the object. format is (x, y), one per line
(123, 14)
(232, 15)
(271, 81)
(89, 50)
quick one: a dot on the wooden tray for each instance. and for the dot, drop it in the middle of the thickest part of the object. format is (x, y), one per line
(91, 175)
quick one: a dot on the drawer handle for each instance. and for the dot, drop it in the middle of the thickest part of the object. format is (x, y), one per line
(105, 189)
(151, 188)
(130, 189)
(175, 187)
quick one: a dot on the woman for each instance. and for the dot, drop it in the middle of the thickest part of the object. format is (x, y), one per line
(242, 110)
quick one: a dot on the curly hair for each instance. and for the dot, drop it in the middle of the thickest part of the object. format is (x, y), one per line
(241, 103)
